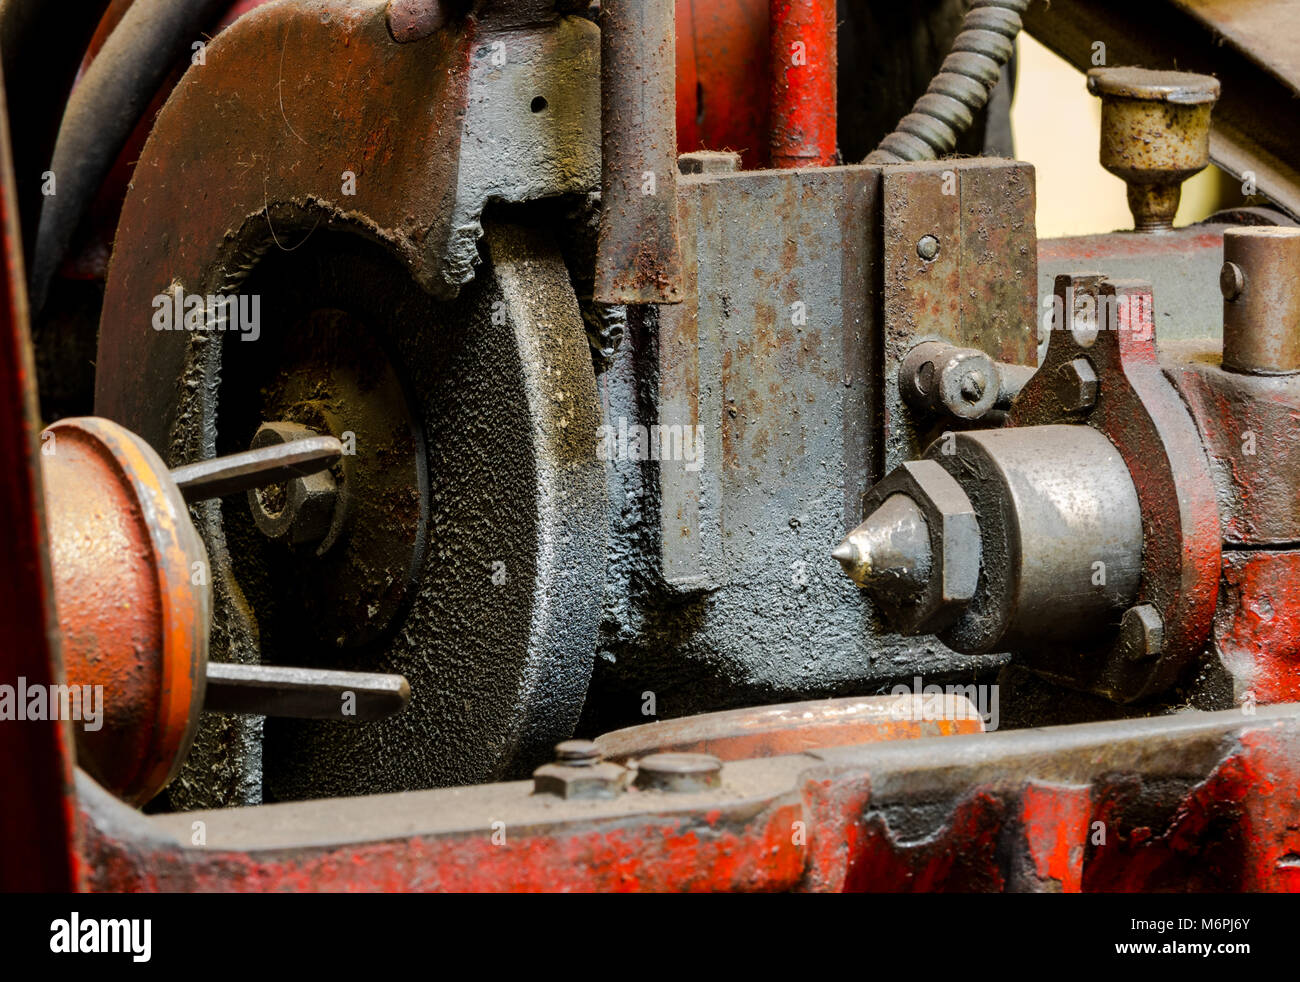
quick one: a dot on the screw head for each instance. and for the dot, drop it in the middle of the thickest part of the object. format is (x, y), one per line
(927, 248)
(1231, 281)
(679, 773)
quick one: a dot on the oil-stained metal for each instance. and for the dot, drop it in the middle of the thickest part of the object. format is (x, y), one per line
(638, 256)
(304, 693)
(269, 464)
(1261, 300)
(1155, 133)
(301, 508)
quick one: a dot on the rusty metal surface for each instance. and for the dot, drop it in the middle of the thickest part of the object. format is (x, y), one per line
(771, 731)
(1198, 801)
(1250, 47)
(1261, 302)
(638, 256)
(1155, 133)
(1143, 416)
(804, 71)
(131, 583)
(776, 359)
(980, 288)
(38, 841)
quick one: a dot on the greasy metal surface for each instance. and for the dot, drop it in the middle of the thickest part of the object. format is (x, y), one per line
(979, 291)
(221, 476)
(1261, 300)
(1250, 47)
(1249, 425)
(131, 580)
(776, 362)
(638, 257)
(770, 731)
(804, 45)
(304, 693)
(38, 843)
(1141, 413)
(1197, 801)
(1060, 536)
(891, 552)
(1155, 133)
(430, 130)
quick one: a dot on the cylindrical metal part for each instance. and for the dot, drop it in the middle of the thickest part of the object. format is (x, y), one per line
(132, 590)
(1060, 535)
(638, 256)
(803, 123)
(1261, 300)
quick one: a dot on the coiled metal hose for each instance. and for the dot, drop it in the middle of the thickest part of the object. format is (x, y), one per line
(968, 74)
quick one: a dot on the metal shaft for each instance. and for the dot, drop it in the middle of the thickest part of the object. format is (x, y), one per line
(239, 472)
(304, 693)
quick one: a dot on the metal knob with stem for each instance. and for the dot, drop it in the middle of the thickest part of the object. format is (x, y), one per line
(133, 594)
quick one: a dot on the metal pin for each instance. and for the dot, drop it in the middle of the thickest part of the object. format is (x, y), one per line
(240, 472)
(304, 693)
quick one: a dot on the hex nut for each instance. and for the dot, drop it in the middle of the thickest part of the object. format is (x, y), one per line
(588, 781)
(307, 510)
(954, 545)
(1075, 385)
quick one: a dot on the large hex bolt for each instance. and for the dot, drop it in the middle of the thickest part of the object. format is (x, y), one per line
(1155, 133)
(1075, 386)
(301, 510)
(918, 549)
(579, 772)
(1261, 300)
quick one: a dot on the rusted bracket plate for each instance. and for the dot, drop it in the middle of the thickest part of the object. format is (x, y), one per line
(980, 288)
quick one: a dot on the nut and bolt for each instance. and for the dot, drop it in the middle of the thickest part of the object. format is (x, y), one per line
(927, 248)
(1141, 632)
(1155, 133)
(1075, 385)
(300, 510)
(679, 773)
(579, 772)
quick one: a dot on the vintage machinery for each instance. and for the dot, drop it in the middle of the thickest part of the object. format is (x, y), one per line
(598, 414)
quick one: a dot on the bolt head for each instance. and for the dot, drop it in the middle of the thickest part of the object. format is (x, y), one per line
(591, 780)
(1141, 632)
(1075, 385)
(679, 773)
(927, 248)
(1231, 281)
(577, 753)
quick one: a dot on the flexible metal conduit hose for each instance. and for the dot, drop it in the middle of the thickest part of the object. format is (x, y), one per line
(105, 106)
(968, 74)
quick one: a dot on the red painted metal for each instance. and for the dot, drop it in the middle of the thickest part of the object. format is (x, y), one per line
(130, 582)
(723, 78)
(804, 38)
(38, 850)
(1257, 627)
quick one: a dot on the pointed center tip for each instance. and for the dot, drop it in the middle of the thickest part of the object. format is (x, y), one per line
(846, 553)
